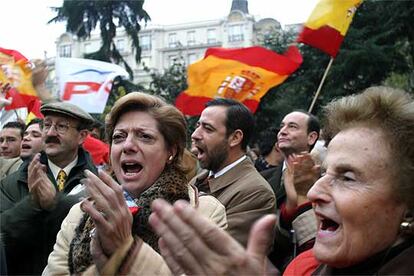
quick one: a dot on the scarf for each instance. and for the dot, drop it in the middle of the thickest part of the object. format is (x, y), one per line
(171, 185)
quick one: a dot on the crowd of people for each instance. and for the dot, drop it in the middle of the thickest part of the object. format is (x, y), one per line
(140, 202)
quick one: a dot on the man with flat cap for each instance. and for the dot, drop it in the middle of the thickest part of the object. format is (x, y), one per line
(35, 199)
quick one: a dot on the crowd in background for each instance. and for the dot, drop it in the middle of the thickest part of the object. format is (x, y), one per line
(140, 202)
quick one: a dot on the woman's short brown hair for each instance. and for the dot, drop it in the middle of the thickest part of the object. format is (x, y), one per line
(391, 111)
(170, 121)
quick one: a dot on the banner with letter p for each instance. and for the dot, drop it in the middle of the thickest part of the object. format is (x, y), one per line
(86, 83)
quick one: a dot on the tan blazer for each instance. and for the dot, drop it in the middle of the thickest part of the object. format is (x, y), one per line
(9, 166)
(245, 194)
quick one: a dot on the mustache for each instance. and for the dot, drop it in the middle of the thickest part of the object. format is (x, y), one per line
(52, 139)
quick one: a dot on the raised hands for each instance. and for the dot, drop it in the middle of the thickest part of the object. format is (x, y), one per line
(40, 186)
(192, 245)
(39, 76)
(107, 207)
(39, 73)
(300, 175)
(4, 88)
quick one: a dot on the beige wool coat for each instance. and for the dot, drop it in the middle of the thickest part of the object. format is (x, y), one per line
(148, 261)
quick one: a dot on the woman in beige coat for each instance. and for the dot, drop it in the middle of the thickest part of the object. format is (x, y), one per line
(108, 233)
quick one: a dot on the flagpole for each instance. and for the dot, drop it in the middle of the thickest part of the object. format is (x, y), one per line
(320, 85)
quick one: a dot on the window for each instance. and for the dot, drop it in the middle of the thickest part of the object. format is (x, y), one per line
(145, 42)
(190, 38)
(65, 51)
(172, 40)
(192, 58)
(211, 36)
(236, 33)
(120, 45)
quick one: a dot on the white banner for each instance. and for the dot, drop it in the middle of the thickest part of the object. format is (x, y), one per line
(85, 82)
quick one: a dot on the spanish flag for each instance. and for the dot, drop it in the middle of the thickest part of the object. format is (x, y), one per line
(243, 74)
(15, 70)
(328, 24)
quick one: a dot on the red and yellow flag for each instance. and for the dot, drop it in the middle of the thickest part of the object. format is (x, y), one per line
(16, 71)
(328, 24)
(243, 74)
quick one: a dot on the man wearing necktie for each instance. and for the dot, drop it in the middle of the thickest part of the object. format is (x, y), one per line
(37, 197)
(220, 139)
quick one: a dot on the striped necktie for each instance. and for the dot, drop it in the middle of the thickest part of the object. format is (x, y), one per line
(61, 178)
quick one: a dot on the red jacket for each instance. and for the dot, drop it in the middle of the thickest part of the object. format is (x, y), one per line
(303, 265)
(98, 150)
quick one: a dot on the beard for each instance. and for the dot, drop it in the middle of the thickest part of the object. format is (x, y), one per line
(215, 157)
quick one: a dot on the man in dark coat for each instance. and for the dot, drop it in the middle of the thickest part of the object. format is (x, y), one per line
(35, 199)
(299, 131)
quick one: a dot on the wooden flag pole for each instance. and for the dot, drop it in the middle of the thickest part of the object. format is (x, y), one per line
(320, 85)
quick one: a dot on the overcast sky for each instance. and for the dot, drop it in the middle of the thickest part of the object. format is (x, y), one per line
(24, 22)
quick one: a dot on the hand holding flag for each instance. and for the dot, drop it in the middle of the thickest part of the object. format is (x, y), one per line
(3, 91)
(16, 71)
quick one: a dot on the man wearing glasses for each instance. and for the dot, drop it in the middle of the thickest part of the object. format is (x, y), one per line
(35, 199)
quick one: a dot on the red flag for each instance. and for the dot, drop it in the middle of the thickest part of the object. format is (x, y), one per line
(328, 24)
(15, 69)
(244, 74)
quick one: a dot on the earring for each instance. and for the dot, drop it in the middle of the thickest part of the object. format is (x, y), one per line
(170, 158)
(407, 228)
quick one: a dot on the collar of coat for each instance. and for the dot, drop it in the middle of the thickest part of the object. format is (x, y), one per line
(84, 162)
(227, 179)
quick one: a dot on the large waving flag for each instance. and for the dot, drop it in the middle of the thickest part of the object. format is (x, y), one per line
(86, 83)
(244, 74)
(16, 70)
(328, 24)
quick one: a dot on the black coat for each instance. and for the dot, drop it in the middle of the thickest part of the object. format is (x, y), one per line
(28, 231)
(273, 176)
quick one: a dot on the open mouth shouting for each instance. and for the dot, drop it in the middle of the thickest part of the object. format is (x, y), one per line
(131, 169)
(201, 153)
(328, 226)
(25, 147)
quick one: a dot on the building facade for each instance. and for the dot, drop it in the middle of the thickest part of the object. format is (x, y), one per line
(162, 46)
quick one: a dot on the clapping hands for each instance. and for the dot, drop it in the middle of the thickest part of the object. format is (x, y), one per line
(40, 186)
(299, 177)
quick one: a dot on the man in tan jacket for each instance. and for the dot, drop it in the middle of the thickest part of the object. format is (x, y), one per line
(221, 137)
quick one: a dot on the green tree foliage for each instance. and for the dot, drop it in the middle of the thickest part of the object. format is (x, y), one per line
(171, 82)
(83, 16)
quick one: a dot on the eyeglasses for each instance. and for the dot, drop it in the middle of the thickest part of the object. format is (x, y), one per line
(61, 127)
